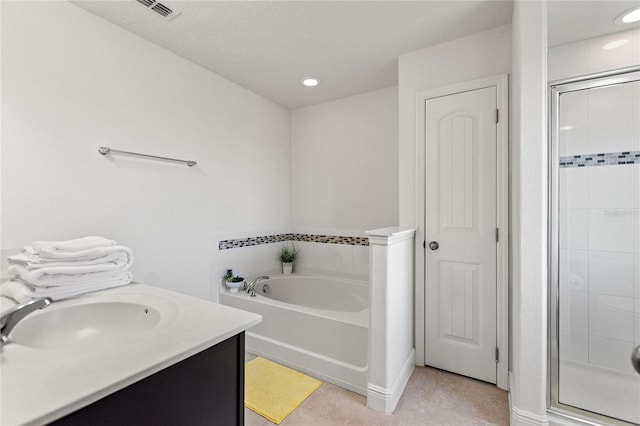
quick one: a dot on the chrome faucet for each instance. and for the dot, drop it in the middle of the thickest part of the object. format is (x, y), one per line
(251, 287)
(14, 315)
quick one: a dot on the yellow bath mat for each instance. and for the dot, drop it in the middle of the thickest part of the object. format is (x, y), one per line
(274, 391)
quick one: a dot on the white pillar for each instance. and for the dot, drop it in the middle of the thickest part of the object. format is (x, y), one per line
(529, 215)
(391, 348)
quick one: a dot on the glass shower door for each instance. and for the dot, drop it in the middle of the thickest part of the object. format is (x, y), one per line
(595, 247)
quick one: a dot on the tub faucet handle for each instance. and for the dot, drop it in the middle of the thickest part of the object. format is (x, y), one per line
(251, 287)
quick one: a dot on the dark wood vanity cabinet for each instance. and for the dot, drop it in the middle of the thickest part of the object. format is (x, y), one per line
(204, 389)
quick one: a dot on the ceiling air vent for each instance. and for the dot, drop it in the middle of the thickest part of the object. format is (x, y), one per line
(161, 9)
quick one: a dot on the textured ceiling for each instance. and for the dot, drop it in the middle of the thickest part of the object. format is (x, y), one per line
(268, 46)
(353, 46)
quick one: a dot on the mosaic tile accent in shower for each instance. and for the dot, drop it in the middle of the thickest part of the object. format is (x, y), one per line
(269, 239)
(603, 159)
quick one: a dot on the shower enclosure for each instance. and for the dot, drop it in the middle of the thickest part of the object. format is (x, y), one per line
(594, 253)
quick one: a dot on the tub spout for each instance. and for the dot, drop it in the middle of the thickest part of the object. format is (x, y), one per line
(251, 287)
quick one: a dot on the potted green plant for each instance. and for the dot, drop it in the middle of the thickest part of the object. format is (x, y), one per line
(234, 283)
(288, 254)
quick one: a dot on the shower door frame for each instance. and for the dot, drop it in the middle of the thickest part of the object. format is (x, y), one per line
(555, 88)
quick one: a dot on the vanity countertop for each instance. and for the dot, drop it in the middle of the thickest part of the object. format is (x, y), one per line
(41, 385)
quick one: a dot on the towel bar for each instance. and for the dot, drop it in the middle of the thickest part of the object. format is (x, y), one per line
(105, 150)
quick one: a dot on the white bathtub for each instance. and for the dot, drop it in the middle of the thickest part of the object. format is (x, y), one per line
(317, 325)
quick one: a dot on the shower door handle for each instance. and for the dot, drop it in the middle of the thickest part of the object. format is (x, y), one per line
(635, 358)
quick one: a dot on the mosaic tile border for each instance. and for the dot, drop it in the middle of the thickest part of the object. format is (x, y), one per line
(269, 239)
(602, 159)
(331, 239)
(255, 241)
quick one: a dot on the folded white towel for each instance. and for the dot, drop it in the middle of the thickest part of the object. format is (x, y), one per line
(31, 255)
(119, 255)
(66, 275)
(22, 292)
(16, 291)
(70, 246)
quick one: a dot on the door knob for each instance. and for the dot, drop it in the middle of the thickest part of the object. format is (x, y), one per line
(433, 245)
(635, 358)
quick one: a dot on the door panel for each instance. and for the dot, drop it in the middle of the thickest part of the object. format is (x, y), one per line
(461, 217)
(458, 195)
(458, 289)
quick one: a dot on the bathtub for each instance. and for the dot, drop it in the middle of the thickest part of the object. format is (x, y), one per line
(314, 324)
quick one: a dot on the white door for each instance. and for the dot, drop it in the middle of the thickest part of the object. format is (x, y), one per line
(461, 246)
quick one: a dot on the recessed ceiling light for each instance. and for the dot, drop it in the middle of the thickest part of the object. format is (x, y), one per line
(615, 44)
(310, 81)
(629, 17)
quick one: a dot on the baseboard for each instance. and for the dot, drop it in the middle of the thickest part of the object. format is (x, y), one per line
(525, 418)
(385, 399)
(510, 394)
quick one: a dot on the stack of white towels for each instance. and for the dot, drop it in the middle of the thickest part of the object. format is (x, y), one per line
(63, 269)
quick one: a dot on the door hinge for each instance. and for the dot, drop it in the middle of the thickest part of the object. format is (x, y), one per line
(497, 234)
(497, 116)
(497, 354)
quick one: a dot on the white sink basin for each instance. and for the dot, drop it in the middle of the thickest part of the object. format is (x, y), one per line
(94, 324)
(77, 351)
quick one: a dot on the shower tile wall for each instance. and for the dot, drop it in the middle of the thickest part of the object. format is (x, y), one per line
(594, 55)
(600, 226)
(334, 259)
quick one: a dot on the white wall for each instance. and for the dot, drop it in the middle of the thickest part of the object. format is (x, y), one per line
(344, 169)
(73, 82)
(529, 214)
(344, 177)
(469, 58)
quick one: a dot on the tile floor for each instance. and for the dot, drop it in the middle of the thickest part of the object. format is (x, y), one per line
(432, 397)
